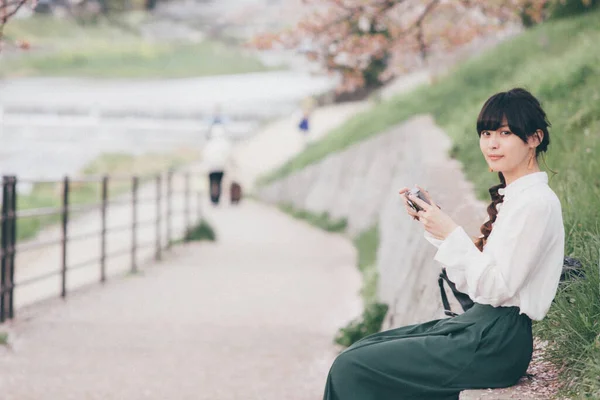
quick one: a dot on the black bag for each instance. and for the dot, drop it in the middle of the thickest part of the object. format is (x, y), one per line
(572, 268)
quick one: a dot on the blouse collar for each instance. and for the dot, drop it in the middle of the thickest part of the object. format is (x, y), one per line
(523, 183)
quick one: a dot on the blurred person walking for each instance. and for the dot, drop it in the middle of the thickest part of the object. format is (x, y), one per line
(217, 157)
(304, 125)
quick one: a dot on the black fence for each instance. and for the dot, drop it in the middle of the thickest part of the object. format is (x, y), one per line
(12, 213)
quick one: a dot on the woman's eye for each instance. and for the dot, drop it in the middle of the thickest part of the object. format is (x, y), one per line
(506, 132)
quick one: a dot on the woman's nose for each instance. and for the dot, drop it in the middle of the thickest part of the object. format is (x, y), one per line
(492, 143)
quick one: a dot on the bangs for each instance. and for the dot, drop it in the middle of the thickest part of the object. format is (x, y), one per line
(501, 110)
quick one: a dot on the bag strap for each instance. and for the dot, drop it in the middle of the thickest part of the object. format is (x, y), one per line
(447, 308)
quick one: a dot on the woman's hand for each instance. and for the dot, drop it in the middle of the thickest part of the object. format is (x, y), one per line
(409, 210)
(434, 220)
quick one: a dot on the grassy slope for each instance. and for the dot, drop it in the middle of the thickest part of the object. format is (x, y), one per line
(64, 48)
(560, 63)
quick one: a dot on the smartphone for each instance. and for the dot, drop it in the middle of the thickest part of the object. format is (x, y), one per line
(417, 193)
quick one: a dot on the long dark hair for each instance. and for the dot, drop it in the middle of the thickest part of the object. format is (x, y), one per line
(524, 115)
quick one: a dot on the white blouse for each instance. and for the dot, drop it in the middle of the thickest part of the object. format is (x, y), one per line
(522, 260)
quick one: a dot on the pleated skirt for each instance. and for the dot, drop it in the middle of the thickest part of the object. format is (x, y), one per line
(485, 347)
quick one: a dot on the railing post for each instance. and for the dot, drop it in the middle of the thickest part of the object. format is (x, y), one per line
(9, 229)
(169, 205)
(187, 201)
(65, 224)
(199, 206)
(12, 244)
(4, 243)
(158, 253)
(134, 196)
(103, 229)
(1, 121)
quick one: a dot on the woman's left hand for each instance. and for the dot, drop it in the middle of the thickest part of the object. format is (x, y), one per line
(434, 220)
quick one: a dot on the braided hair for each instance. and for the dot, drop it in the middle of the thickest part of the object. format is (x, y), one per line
(524, 115)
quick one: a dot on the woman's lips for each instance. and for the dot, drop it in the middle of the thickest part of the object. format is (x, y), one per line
(495, 158)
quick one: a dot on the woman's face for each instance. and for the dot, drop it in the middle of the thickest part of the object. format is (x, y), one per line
(504, 151)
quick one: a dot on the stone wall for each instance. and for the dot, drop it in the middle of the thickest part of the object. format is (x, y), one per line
(361, 184)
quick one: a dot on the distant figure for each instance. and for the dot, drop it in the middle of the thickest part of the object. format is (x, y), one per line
(217, 118)
(217, 157)
(304, 125)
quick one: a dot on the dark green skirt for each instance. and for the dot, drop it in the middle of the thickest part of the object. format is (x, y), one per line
(486, 347)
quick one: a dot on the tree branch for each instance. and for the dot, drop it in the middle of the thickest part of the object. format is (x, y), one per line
(382, 8)
(419, 25)
(5, 14)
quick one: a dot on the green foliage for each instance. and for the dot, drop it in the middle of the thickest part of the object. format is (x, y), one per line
(322, 220)
(367, 244)
(374, 312)
(102, 50)
(370, 322)
(573, 323)
(568, 8)
(202, 231)
(373, 71)
(560, 63)
(116, 6)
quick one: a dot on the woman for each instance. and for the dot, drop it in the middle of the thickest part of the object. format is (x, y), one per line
(511, 272)
(217, 157)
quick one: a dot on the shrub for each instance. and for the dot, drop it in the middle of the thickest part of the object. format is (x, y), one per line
(202, 231)
(369, 323)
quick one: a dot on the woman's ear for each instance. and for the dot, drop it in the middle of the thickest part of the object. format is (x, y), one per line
(537, 137)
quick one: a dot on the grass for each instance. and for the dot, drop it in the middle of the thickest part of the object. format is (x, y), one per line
(374, 312)
(366, 244)
(322, 220)
(560, 63)
(367, 324)
(65, 48)
(111, 164)
(573, 329)
(202, 231)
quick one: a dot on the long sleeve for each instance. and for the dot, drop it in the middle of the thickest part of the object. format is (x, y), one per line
(500, 271)
(438, 242)
(429, 237)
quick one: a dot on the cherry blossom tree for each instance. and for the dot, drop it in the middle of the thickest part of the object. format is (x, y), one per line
(8, 8)
(370, 41)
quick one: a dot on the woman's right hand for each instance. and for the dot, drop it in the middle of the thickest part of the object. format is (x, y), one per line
(409, 210)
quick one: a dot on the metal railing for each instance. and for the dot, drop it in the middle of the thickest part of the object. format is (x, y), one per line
(10, 216)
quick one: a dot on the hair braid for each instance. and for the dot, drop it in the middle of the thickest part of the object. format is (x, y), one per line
(492, 211)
